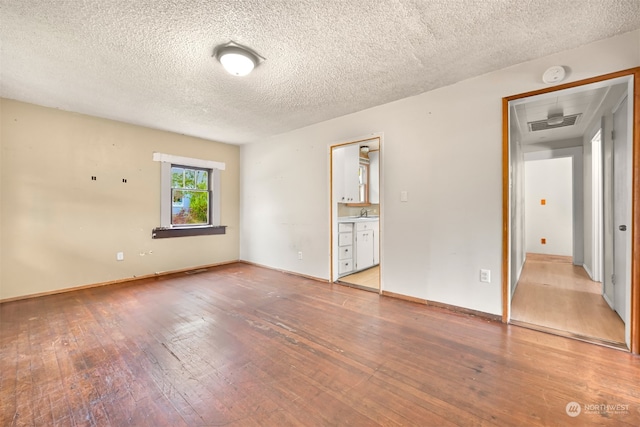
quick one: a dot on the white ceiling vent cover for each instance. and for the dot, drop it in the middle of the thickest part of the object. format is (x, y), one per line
(569, 120)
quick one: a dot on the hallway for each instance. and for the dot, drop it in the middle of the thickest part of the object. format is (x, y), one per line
(554, 294)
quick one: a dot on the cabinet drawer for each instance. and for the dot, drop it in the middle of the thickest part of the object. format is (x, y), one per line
(345, 227)
(345, 239)
(345, 252)
(369, 225)
(345, 266)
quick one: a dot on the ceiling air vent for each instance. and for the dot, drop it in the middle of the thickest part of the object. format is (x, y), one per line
(544, 124)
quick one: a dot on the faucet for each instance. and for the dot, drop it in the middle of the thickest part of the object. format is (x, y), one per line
(364, 212)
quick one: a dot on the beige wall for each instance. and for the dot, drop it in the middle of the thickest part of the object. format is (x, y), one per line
(59, 229)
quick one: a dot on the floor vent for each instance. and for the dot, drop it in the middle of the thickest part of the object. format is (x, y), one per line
(544, 125)
(202, 270)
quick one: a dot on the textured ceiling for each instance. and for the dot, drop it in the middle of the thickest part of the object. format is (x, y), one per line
(150, 63)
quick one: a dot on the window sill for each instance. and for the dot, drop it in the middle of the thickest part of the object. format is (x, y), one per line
(163, 233)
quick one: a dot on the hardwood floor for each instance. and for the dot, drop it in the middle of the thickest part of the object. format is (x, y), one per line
(369, 278)
(555, 294)
(241, 345)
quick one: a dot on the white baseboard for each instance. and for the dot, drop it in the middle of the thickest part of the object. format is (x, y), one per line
(607, 300)
(588, 271)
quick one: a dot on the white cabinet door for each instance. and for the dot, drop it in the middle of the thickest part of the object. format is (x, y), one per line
(374, 177)
(345, 266)
(345, 239)
(337, 176)
(345, 252)
(375, 227)
(364, 249)
(350, 161)
(366, 225)
(345, 227)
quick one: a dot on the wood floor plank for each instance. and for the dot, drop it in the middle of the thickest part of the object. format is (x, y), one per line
(241, 345)
(369, 278)
(553, 293)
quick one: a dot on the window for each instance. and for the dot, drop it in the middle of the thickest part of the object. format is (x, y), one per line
(190, 197)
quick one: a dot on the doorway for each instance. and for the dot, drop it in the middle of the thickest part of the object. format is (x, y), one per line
(355, 213)
(574, 120)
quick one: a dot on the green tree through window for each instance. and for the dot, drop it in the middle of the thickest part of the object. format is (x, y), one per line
(190, 195)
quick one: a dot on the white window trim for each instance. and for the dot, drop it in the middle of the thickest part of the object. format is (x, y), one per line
(166, 202)
(188, 161)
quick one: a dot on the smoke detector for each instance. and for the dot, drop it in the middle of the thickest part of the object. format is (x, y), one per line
(554, 74)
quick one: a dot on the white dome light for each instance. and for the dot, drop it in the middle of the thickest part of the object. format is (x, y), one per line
(555, 119)
(236, 60)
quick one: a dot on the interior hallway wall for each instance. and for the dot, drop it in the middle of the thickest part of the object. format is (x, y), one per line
(443, 147)
(549, 206)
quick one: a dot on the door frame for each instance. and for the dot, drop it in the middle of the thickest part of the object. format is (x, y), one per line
(635, 203)
(333, 215)
(597, 204)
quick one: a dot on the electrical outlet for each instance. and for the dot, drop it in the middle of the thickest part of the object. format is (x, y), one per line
(300, 255)
(485, 276)
(120, 256)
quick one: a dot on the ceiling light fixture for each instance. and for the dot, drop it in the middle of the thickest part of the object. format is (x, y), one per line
(555, 116)
(555, 119)
(237, 60)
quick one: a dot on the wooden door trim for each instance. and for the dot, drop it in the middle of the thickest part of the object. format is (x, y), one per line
(331, 201)
(635, 202)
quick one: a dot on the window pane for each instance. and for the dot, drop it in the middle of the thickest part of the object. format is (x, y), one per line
(189, 178)
(177, 177)
(194, 209)
(202, 180)
(177, 197)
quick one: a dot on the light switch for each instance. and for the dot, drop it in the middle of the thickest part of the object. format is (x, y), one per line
(404, 197)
